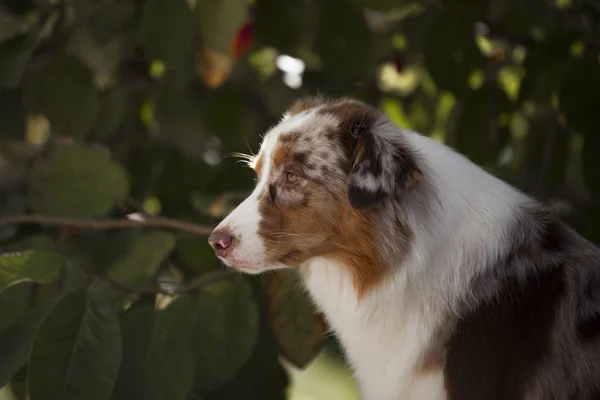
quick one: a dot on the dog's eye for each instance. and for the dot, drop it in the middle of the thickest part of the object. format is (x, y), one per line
(291, 178)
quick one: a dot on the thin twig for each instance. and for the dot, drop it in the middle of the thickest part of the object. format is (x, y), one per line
(186, 288)
(93, 224)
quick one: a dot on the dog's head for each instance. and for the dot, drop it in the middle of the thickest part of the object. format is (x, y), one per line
(322, 173)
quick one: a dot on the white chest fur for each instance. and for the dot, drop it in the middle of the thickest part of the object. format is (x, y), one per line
(383, 335)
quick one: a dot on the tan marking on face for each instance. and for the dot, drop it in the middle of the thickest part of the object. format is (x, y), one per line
(258, 165)
(309, 219)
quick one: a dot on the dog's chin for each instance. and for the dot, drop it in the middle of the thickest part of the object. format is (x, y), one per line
(252, 269)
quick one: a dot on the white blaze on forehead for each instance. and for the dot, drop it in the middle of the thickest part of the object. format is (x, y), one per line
(243, 222)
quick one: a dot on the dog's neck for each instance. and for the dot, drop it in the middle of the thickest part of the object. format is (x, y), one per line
(456, 220)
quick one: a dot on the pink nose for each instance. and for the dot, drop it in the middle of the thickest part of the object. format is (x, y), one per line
(220, 241)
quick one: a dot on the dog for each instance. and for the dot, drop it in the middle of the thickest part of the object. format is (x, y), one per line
(440, 280)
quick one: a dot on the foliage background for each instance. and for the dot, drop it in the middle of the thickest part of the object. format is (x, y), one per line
(116, 119)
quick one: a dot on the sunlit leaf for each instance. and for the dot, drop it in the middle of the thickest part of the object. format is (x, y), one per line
(76, 352)
(298, 329)
(30, 266)
(219, 21)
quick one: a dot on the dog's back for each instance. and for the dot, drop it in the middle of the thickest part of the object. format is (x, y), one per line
(534, 332)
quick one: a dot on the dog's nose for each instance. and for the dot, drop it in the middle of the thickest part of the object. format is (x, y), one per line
(220, 241)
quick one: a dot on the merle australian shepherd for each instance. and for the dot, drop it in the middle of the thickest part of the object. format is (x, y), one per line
(440, 280)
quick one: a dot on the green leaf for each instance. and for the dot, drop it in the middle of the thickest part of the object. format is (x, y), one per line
(14, 304)
(451, 53)
(580, 94)
(157, 359)
(219, 21)
(195, 255)
(475, 134)
(111, 20)
(76, 352)
(298, 329)
(342, 38)
(138, 266)
(30, 266)
(143, 259)
(546, 66)
(114, 106)
(15, 53)
(17, 340)
(102, 59)
(77, 181)
(69, 98)
(225, 332)
(165, 29)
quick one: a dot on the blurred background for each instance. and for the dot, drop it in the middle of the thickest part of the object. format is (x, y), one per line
(130, 110)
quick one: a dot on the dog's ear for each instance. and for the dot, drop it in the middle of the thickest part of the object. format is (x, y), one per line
(380, 166)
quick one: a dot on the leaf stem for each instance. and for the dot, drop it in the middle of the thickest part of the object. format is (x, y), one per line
(198, 283)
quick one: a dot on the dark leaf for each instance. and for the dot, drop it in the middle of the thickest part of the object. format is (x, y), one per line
(276, 24)
(591, 164)
(114, 106)
(76, 352)
(15, 54)
(196, 256)
(68, 97)
(12, 115)
(165, 29)
(298, 329)
(157, 361)
(30, 266)
(138, 266)
(77, 181)
(225, 332)
(16, 341)
(342, 38)
(580, 94)
(480, 133)
(451, 53)
(546, 66)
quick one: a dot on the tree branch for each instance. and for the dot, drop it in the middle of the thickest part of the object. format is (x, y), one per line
(185, 288)
(93, 224)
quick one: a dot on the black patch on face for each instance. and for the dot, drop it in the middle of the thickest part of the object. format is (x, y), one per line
(589, 328)
(272, 192)
(361, 198)
(497, 347)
